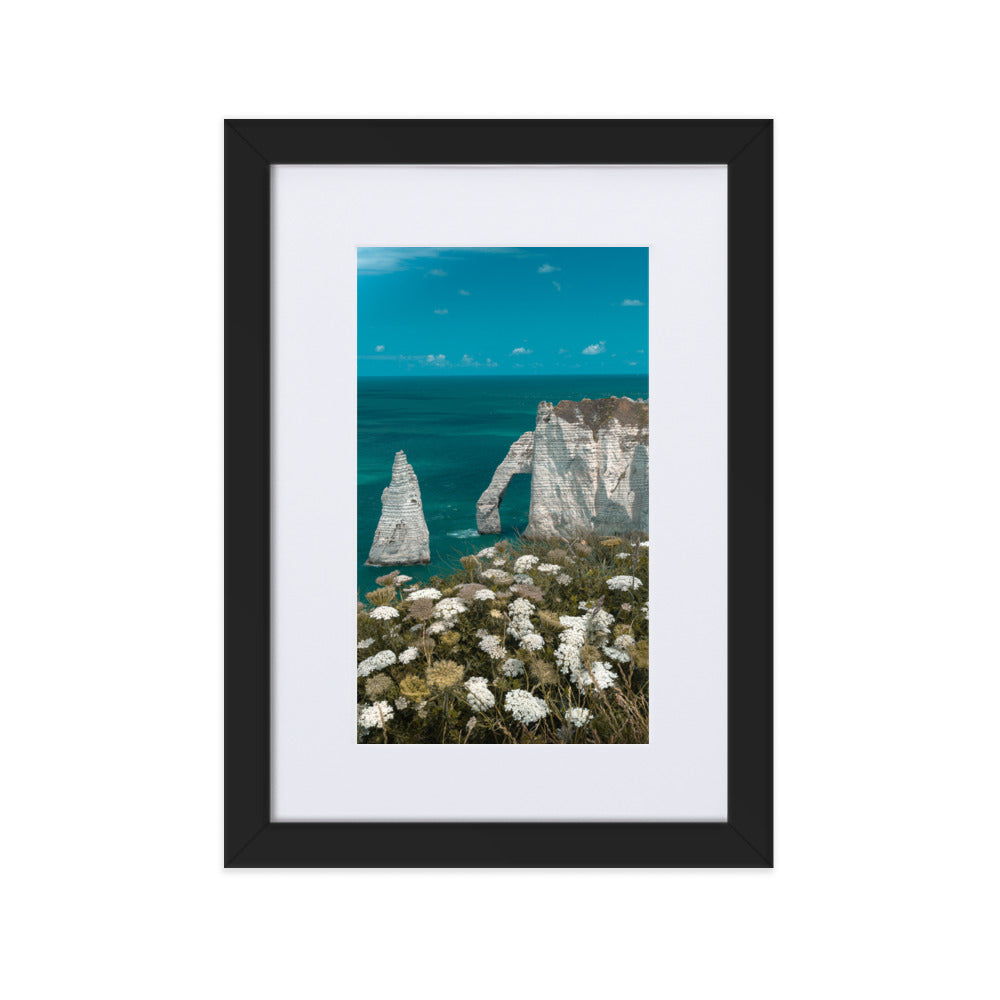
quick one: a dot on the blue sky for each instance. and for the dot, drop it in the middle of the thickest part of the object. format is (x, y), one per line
(503, 311)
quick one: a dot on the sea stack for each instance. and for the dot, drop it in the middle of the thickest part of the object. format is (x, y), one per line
(590, 468)
(517, 461)
(401, 538)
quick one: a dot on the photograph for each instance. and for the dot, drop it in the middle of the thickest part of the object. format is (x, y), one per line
(503, 495)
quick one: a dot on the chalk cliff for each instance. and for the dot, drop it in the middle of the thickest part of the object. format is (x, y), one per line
(518, 460)
(590, 467)
(401, 538)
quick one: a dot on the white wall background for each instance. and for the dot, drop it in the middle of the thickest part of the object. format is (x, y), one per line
(110, 388)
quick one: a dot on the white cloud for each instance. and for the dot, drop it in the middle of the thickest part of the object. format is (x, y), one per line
(562, 350)
(521, 350)
(558, 286)
(462, 291)
(490, 363)
(548, 269)
(598, 348)
(435, 359)
(384, 260)
(438, 273)
(380, 348)
(632, 302)
(468, 359)
(440, 312)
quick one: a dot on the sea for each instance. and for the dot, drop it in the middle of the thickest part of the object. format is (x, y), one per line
(455, 431)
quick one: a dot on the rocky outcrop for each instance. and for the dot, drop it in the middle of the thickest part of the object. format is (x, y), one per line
(401, 538)
(518, 461)
(590, 468)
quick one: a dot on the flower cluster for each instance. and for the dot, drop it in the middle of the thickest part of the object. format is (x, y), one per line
(379, 661)
(479, 696)
(492, 647)
(624, 583)
(383, 613)
(614, 653)
(525, 707)
(375, 716)
(425, 593)
(449, 608)
(512, 668)
(523, 563)
(578, 717)
(599, 674)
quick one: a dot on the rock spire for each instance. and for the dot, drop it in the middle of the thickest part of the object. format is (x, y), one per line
(401, 538)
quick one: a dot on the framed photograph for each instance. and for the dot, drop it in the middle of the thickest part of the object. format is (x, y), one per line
(498, 493)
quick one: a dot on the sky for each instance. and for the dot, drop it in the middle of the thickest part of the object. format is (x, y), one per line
(503, 310)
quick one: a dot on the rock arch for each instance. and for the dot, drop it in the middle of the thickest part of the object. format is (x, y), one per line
(517, 461)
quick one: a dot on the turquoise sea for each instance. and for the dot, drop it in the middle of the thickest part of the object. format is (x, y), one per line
(455, 431)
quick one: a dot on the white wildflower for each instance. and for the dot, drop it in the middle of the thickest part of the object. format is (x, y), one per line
(626, 607)
(498, 575)
(525, 707)
(564, 579)
(373, 716)
(598, 674)
(365, 643)
(484, 595)
(548, 568)
(383, 613)
(521, 606)
(522, 578)
(601, 620)
(409, 654)
(436, 628)
(428, 592)
(449, 608)
(578, 716)
(512, 668)
(486, 553)
(532, 642)
(624, 583)
(524, 563)
(377, 662)
(614, 653)
(623, 555)
(492, 646)
(625, 641)
(480, 696)
(402, 578)
(644, 545)
(401, 703)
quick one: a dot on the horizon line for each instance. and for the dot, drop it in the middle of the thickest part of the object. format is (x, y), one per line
(468, 374)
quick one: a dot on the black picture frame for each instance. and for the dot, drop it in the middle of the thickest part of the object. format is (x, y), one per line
(252, 838)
